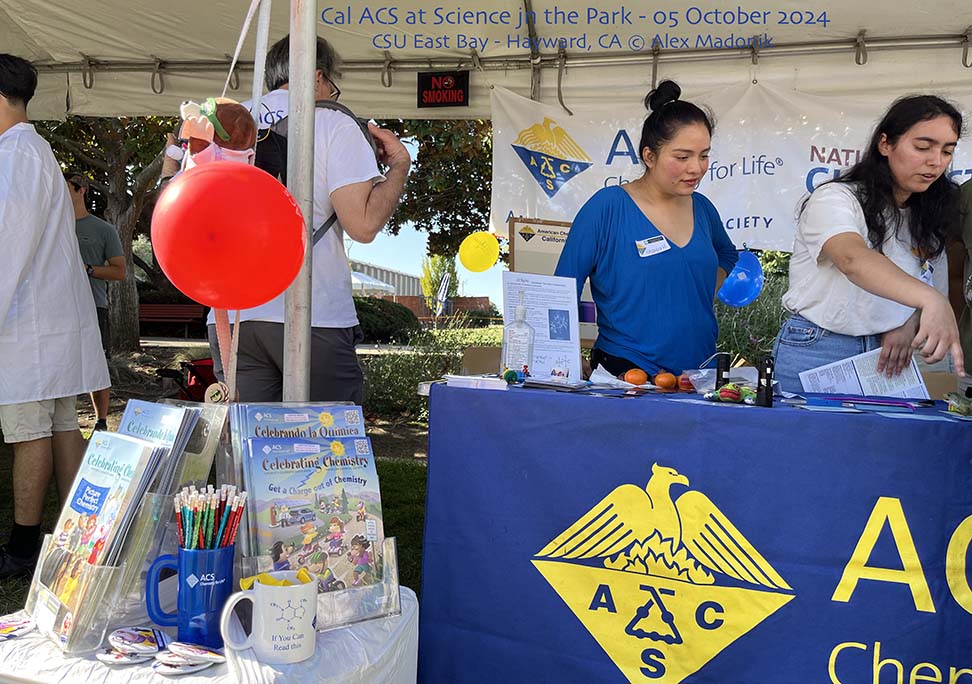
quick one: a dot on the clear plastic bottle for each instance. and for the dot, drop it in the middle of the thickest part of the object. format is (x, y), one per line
(518, 342)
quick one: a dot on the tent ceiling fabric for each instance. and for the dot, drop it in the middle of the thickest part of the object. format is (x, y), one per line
(55, 33)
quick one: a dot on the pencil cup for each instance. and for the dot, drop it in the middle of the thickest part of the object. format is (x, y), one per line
(205, 583)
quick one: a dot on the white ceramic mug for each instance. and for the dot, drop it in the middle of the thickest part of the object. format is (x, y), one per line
(283, 620)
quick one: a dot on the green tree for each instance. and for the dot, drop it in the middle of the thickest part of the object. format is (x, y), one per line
(448, 190)
(433, 270)
(122, 158)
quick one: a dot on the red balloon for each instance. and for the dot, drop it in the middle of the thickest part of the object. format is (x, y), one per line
(228, 235)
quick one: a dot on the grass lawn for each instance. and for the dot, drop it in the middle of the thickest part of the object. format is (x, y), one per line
(403, 503)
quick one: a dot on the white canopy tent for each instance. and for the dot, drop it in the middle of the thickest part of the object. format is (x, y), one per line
(364, 284)
(105, 57)
(132, 57)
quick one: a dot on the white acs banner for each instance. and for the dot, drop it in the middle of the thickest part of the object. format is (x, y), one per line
(770, 148)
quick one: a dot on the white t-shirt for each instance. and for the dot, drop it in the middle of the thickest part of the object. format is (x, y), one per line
(821, 293)
(50, 346)
(342, 157)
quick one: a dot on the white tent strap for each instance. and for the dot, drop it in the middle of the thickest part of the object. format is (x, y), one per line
(254, 5)
(545, 61)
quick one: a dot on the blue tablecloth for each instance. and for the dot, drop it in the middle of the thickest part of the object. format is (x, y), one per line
(798, 547)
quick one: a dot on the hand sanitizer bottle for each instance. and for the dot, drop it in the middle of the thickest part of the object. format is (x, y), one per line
(518, 342)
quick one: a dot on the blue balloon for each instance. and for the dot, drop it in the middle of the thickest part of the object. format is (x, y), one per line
(744, 284)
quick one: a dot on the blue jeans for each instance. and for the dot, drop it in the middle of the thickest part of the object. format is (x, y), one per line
(802, 345)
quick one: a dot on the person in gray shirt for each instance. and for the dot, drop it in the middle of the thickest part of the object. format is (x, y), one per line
(104, 260)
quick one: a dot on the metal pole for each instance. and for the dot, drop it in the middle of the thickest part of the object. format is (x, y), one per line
(260, 58)
(300, 182)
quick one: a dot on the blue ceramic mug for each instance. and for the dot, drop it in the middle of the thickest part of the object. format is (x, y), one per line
(205, 583)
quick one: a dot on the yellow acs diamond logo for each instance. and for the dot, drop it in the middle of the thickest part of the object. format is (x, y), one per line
(527, 233)
(640, 571)
(551, 156)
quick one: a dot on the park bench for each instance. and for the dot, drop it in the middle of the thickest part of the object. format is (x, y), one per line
(171, 313)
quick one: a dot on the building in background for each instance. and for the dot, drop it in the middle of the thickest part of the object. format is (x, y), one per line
(405, 285)
(375, 281)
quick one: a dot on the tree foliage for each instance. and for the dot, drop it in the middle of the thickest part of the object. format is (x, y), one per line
(122, 158)
(448, 190)
(433, 270)
(447, 194)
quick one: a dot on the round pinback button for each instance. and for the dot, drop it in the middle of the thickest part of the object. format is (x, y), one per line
(194, 653)
(174, 659)
(176, 670)
(13, 626)
(110, 656)
(139, 640)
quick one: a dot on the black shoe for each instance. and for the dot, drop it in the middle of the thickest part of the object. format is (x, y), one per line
(101, 425)
(11, 566)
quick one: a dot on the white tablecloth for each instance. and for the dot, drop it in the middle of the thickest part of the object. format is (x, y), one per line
(383, 651)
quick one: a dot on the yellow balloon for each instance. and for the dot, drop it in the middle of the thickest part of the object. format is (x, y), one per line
(479, 251)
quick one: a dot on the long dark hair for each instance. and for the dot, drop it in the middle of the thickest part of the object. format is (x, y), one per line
(936, 212)
(668, 115)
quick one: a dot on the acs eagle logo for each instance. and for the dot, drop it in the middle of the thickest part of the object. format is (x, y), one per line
(551, 155)
(663, 585)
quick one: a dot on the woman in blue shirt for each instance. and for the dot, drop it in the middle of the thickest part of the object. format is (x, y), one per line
(655, 250)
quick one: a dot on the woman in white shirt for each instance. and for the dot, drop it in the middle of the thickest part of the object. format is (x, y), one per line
(868, 269)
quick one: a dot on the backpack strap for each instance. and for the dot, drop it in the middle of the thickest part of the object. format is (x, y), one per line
(281, 127)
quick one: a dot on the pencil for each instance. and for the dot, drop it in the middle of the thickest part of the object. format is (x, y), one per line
(236, 522)
(222, 526)
(178, 515)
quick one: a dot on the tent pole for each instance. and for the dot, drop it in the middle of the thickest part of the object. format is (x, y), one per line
(534, 50)
(300, 182)
(260, 57)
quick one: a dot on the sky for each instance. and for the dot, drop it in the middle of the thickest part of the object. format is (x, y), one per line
(404, 252)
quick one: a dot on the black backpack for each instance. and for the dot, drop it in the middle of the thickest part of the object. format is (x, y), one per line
(271, 152)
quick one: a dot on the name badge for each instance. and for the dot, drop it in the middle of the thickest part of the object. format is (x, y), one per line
(927, 271)
(652, 246)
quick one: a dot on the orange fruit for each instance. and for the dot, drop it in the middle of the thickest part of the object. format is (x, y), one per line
(685, 383)
(636, 376)
(666, 381)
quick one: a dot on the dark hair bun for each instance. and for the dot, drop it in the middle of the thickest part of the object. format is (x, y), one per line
(664, 93)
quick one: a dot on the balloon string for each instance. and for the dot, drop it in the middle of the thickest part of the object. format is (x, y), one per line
(223, 333)
(231, 373)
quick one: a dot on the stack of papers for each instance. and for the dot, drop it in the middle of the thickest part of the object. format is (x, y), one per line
(557, 383)
(167, 426)
(858, 375)
(493, 382)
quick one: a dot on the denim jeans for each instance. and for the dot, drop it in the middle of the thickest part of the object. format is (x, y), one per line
(802, 345)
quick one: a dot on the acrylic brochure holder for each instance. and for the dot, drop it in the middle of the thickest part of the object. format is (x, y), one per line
(353, 604)
(345, 605)
(80, 628)
(148, 538)
(368, 602)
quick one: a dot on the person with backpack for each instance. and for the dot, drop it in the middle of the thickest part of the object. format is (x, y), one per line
(351, 197)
